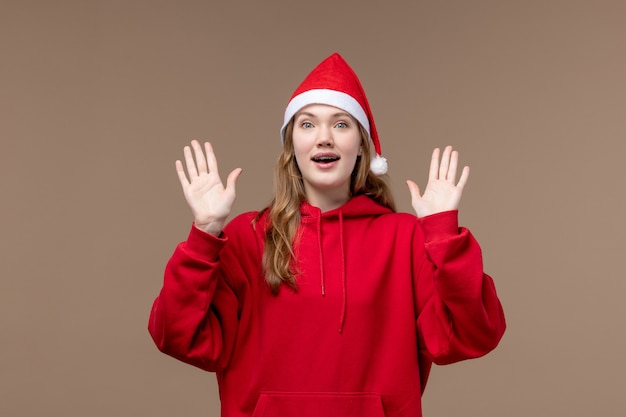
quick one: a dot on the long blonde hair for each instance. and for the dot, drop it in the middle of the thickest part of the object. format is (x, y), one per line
(283, 217)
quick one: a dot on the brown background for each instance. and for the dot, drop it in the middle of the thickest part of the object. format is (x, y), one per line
(97, 100)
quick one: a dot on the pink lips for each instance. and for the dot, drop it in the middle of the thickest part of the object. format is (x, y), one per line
(325, 160)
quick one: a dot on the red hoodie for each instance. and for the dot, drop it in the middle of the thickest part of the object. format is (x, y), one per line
(380, 296)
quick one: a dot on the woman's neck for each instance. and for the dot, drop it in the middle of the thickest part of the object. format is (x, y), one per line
(327, 200)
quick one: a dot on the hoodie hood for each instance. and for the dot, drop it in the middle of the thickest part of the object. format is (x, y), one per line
(358, 206)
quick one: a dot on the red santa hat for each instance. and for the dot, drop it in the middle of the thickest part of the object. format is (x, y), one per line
(334, 83)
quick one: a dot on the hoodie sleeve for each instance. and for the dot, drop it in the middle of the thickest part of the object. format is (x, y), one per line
(194, 317)
(459, 313)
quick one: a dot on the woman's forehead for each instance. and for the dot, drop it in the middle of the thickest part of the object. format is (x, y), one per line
(322, 110)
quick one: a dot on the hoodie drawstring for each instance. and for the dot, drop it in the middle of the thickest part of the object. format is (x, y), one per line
(312, 218)
(319, 244)
(344, 303)
(344, 300)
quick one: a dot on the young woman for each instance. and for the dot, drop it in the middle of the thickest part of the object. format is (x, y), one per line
(327, 302)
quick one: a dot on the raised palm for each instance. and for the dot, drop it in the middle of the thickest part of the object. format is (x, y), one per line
(210, 202)
(442, 192)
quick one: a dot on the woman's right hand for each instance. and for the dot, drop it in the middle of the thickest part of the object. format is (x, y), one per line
(209, 200)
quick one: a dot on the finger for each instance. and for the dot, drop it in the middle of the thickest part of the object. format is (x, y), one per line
(454, 161)
(434, 165)
(190, 163)
(464, 177)
(414, 189)
(181, 174)
(445, 163)
(200, 159)
(231, 181)
(210, 157)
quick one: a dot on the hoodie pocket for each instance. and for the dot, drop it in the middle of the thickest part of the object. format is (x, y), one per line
(297, 404)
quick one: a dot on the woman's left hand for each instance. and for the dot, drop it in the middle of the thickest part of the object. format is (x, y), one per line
(442, 192)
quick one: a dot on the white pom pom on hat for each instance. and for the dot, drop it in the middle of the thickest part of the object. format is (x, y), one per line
(334, 83)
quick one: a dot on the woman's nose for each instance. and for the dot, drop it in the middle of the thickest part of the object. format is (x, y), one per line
(325, 138)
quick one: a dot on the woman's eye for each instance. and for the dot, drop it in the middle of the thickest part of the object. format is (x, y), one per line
(307, 125)
(341, 125)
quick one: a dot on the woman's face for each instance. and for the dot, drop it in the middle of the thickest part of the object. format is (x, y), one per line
(326, 143)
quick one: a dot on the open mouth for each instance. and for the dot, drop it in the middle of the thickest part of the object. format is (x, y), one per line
(325, 159)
